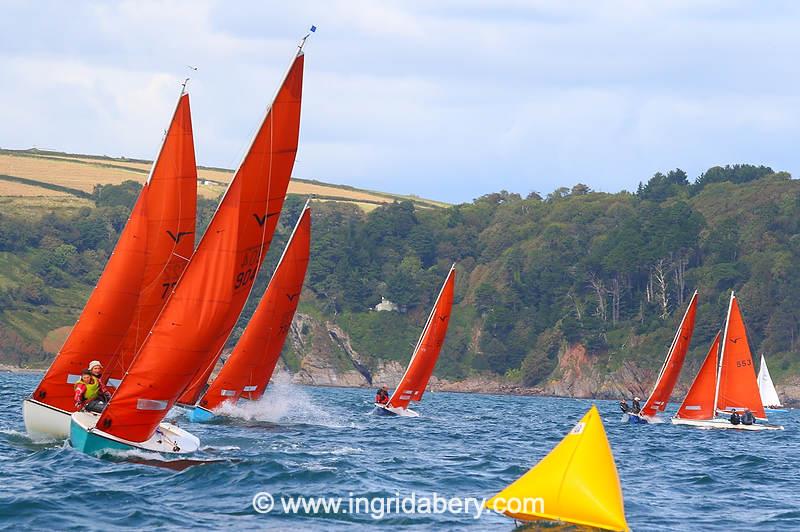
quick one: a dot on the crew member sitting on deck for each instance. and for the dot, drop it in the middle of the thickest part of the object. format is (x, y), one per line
(636, 407)
(748, 418)
(382, 397)
(735, 418)
(90, 394)
(623, 405)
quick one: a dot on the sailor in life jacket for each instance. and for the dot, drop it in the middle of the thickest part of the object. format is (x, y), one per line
(382, 397)
(90, 393)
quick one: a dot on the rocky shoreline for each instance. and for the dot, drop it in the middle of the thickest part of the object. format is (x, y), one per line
(482, 384)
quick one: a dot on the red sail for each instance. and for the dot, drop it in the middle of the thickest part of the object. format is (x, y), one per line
(699, 402)
(205, 304)
(415, 380)
(171, 215)
(671, 369)
(113, 305)
(738, 385)
(247, 371)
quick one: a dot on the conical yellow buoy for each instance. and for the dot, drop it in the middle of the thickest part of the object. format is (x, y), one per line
(576, 483)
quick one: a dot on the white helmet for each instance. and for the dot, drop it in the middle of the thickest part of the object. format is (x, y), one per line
(94, 363)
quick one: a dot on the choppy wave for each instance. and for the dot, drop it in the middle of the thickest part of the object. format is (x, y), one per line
(322, 441)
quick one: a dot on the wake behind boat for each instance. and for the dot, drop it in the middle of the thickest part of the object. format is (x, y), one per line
(250, 366)
(415, 380)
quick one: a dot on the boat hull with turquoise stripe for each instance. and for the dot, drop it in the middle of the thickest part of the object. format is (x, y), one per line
(168, 438)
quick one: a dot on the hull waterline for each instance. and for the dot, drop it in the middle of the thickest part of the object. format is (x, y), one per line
(198, 414)
(723, 424)
(635, 419)
(168, 438)
(386, 410)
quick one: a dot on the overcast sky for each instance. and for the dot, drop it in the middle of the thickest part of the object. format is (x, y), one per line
(444, 99)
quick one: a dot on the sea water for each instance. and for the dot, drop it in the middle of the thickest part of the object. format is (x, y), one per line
(301, 442)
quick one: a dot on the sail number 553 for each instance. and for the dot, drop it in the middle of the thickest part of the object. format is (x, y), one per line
(743, 363)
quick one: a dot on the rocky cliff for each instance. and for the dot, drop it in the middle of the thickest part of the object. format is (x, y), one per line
(327, 358)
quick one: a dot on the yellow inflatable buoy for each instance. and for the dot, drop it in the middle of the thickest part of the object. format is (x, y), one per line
(576, 483)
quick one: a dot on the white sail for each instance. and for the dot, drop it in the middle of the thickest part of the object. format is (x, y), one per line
(769, 397)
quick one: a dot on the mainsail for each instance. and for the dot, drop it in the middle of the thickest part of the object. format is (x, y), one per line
(415, 380)
(699, 401)
(769, 395)
(247, 371)
(207, 300)
(737, 388)
(167, 201)
(671, 369)
(577, 482)
(171, 218)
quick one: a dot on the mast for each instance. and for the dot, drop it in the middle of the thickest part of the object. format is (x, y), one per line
(722, 351)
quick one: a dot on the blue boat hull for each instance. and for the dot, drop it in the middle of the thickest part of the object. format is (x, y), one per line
(636, 420)
(199, 414)
(91, 443)
(379, 411)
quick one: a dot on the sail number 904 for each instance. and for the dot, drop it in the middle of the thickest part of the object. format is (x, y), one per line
(248, 267)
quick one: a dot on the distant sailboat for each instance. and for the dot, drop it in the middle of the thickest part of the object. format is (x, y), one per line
(149, 257)
(668, 376)
(420, 368)
(769, 395)
(735, 388)
(207, 300)
(248, 370)
(577, 483)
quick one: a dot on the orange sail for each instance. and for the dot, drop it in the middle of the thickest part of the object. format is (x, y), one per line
(737, 388)
(671, 369)
(699, 402)
(247, 371)
(205, 304)
(415, 380)
(112, 307)
(171, 215)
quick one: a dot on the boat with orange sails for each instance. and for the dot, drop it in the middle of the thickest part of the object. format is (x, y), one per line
(204, 305)
(149, 257)
(726, 383)
(415, 380)
(671, 370)
(249, 368)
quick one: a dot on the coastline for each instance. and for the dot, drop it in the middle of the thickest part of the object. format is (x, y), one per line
(790, 392)
(17, 369)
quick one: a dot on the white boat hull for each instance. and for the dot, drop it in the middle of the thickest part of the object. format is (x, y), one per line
(44, 420)
(168, 438)
(386, 410)
(723, 424)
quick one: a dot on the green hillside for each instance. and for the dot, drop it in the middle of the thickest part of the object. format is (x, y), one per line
(612, 272)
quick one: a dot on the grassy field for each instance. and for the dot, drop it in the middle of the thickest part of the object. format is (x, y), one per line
(9, 188)
(83, 172)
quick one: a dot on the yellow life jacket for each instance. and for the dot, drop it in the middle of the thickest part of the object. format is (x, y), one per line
(92, 389)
